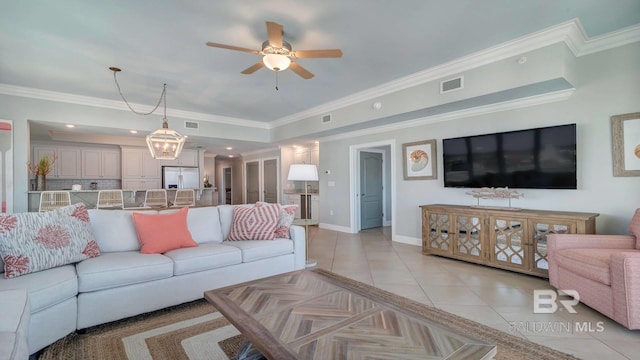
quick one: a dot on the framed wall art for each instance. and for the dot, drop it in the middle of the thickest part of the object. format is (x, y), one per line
(419, 160)
(625, 131)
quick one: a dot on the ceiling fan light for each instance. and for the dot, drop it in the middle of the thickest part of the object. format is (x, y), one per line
(276, 62)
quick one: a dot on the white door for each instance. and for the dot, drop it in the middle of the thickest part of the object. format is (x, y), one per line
(370, 190)
(253, 181)
(270, 180)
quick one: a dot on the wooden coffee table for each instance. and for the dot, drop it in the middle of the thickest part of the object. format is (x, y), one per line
(310, 315)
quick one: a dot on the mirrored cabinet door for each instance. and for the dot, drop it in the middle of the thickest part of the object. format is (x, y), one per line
(539, 231)
(469, 234)
(438, 239)
(509, 242)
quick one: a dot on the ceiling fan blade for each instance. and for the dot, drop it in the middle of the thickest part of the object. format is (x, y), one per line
(275, 32)
(253, 68)
(296, 68)
(231, 47)
(328, 53)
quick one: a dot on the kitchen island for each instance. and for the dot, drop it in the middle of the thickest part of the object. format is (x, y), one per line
(132, 198)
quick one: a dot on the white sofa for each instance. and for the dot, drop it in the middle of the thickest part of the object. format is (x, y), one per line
(123, 282)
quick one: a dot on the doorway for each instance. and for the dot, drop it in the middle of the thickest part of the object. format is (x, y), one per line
(387, 149)
(270, 180)
(262, 180)
(252, 181)
(227, 186)
(371, 189)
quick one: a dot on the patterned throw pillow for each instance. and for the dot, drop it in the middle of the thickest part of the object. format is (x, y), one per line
(31, 242)
(254, 223)
(285, 219)
(287, 214)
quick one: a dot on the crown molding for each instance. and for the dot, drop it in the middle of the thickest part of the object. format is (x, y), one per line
(570, 32)
(257, 152)
(608, 41)
(476, 111)
(40, 94)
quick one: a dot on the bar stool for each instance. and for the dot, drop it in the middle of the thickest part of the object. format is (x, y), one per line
(155, 198)
(184, 197)
(50, 200)
(110, 199)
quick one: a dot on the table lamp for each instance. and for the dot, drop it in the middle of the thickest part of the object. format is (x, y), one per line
(305, 172)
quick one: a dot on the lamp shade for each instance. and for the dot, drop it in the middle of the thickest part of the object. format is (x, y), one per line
(303, 172)
(276, 62)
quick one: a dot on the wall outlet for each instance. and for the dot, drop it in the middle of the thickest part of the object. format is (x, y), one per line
(330, 212)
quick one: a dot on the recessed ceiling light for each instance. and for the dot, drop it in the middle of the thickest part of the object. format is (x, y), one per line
(229, 148)
(230, 155)
(133, 131)
(70, 125)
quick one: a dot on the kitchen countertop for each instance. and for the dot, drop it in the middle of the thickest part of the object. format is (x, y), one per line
(301, 192)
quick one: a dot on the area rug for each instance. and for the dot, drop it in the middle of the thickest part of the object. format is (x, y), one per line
(197, 331)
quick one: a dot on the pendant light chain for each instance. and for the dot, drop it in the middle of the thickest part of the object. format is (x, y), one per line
(163, 95)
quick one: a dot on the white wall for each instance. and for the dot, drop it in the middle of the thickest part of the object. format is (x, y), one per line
(607, 83)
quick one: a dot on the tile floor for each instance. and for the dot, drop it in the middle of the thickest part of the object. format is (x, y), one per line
(497, 298)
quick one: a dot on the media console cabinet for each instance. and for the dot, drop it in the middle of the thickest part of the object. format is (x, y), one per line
(502, 238)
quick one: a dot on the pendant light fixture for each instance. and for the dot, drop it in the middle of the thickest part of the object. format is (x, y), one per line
(164, 143)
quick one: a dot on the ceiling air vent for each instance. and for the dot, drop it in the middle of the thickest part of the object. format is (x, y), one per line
(451, 85)
(326, 119)
(191, 124)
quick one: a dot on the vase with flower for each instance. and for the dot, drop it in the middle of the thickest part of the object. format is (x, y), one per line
(41, 170)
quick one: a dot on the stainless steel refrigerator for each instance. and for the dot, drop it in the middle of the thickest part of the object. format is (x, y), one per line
(180, 177)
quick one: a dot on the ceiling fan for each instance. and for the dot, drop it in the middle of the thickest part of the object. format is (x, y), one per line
(278, 54)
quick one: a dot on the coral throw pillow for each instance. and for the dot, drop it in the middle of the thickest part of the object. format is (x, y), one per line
(160, 233)
(287, 214)
(31, 242)
(254, 223)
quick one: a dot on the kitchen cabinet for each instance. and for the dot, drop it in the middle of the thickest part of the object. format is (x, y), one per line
(67, 164)
(138, 163)
(101, 164)
(187, 157)
(140, 170)
(502, 238)
(142, 184)
(307, 156)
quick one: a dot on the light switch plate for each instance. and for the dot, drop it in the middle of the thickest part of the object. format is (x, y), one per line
(331, 183)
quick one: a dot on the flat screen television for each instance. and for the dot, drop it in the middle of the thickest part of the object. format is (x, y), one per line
(541, 158)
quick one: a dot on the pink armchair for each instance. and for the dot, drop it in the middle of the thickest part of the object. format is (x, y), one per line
(604, 269)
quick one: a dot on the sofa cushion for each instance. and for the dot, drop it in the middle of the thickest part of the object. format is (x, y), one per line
(14, 324)
(114, 230)
(46, 288)
(36, 241)
(254, 223)
(634, 227)
(163, 232)
(120, 269)
(593, 264)
(253, 250)
(204, 257)
(203, 223)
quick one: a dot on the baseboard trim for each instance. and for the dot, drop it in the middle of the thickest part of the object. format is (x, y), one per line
(407, 240)
(343, 229)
